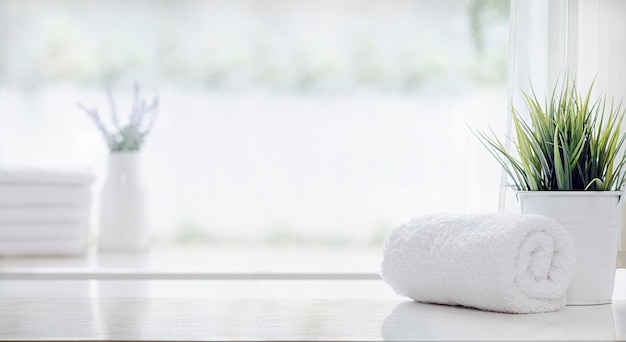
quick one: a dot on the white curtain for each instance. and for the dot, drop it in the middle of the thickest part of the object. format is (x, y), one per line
(550, 39)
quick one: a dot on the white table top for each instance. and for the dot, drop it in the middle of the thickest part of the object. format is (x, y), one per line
(294, 319)
(46, 307)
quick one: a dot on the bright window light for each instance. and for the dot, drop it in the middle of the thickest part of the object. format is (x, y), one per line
(281, 122)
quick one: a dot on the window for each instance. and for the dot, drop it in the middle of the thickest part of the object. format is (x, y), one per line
(321, 123)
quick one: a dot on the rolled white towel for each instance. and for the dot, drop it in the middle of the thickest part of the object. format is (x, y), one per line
(9, 232)
(497, 262)
(30, 176)
(59, 195)
(42, 214)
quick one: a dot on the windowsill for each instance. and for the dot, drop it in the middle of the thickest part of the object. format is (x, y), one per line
(190, 263)
(228, 264)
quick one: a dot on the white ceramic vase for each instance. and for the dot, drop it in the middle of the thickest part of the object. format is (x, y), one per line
(123, 210)
(593, 220)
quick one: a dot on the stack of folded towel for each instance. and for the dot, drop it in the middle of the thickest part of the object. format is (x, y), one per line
(44, 212)
(497, 262)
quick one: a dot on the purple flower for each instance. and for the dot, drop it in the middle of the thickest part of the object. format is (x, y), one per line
(128, 136)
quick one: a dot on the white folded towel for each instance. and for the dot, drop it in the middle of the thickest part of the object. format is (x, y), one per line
(497, 262)
(42, 214)
(10, 232)
(43, 247)
(60, 195)
(29, 176)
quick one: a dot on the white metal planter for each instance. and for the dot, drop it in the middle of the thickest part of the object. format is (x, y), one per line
(593, 220)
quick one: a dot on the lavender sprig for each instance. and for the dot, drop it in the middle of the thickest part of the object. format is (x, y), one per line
(135, 116)
(109, 137)
(114, 117)
(148, 117)
(129, 136)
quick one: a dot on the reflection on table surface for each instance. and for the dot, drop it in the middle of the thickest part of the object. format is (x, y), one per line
(305, 315)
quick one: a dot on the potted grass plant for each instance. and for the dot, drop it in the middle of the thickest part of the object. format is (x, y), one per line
(567, 163)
